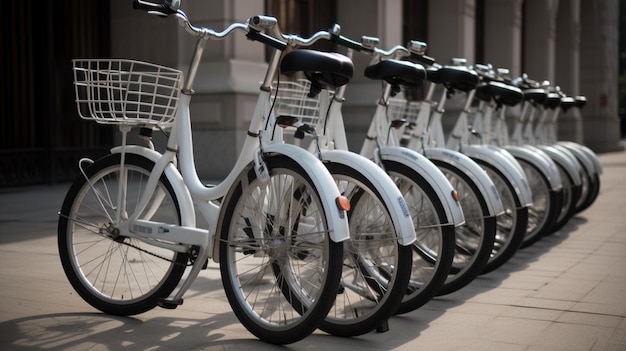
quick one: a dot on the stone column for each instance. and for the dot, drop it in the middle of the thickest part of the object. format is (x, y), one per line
(539, 39)
(503, 34)
(451, 29)
(503, 40)
(227, 82)
(378, 18)
(451, 33)
(599, 73)
(568, 67)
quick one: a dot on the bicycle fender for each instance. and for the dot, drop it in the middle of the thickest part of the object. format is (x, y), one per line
(323, 182)
(473, 171)
(568, 161)
(383, 185)
(511, 170)
(187, 210)
(435, 178)
(587, 151)
(540, 160)
(583, 159)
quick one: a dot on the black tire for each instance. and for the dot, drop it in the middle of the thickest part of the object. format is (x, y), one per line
(376, 266)
(280, 269)
(433, 251)
(571, 193)
(115, 274)
(511, 224)
(547, 203)
(594, 190)
(475, 238)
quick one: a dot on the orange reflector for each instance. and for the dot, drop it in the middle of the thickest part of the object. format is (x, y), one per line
(343, 203)
(455, 195)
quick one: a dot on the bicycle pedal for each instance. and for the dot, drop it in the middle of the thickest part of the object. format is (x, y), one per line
(384, 327)
(169, 304)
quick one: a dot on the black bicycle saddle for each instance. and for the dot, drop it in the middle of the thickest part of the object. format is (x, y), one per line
(324, 69)
(501, 93)
(454, 77)
(397, 73)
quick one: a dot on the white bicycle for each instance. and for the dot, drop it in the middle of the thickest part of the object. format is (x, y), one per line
(127, 230)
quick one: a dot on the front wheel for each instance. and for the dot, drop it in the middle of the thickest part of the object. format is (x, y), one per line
(116, 274)
(474, 238)
(280, 269)
(511, 223)
(433, 250)
(543, 213)
(376, 266)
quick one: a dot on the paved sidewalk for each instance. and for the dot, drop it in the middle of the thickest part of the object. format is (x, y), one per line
(567, 292)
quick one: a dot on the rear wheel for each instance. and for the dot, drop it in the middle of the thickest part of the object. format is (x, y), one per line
(117, 274)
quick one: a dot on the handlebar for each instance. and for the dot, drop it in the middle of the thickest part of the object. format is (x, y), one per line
(171, 8)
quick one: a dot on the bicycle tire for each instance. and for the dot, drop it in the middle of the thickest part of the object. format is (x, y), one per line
(571, 193)
(543, 213)
(257, 227)
(511, 224)
(107, 270)
(433, 251)
(376, 266)
(475, 238)
(593, 192)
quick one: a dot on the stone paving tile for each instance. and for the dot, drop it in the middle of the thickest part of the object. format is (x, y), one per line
(566, 292)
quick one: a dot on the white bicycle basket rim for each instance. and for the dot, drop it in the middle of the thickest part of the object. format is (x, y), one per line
(120, 91)
(401, 109)
(292, 100)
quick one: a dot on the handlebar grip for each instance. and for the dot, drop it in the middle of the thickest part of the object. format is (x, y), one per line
(162, 9)
(349, 43)
(423, 59)
(266, 39)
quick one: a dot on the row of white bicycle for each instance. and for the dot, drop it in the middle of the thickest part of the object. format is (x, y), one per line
(308, 234)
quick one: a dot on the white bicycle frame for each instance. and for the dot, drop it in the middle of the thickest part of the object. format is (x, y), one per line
(583, 154)
(190, 191)
(418, 136)
(484, 126)
(383, 151)
(524, 134)
(386, 150)
(329, 144)
(459, 141)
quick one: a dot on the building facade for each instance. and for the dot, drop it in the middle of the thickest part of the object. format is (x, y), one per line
(572, 43)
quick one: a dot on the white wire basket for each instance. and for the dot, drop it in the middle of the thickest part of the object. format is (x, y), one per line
(292, 100)
(401, 109)
(119, 91)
